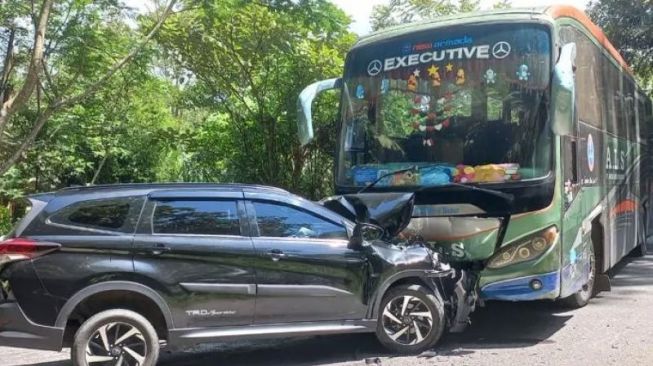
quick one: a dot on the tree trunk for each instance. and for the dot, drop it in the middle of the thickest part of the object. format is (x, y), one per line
(89, 91)
(15, 102)
(99, 168)
(7, 66)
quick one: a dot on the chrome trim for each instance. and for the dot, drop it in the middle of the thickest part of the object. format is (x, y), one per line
(301, 291)
(87, 229)
(306, 240)
(220, 288)
(202, 235)
(263, 331)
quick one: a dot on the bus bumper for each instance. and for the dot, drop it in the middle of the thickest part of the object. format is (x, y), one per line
(536, 287)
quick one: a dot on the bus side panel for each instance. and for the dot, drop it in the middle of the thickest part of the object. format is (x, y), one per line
(581, 200)
(624, 197)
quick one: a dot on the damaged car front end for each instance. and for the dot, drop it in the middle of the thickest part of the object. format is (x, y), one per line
(397, 256)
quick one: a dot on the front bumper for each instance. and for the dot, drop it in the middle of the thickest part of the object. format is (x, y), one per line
(521, 289)
(16, 330)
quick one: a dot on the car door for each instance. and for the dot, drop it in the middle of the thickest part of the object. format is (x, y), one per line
(195, 248)
(305, 272)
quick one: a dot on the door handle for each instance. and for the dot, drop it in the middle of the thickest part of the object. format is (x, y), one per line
(276, 254)
(158, 249)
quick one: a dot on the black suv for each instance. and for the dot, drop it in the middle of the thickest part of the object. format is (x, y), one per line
(114, 271)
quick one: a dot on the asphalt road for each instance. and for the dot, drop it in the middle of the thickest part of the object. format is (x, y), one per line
(616, 328)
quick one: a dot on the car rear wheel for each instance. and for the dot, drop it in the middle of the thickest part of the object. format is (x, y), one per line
(411, 319)
(117, 338)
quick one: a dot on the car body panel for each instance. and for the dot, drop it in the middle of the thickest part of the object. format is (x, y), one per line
(207, 287)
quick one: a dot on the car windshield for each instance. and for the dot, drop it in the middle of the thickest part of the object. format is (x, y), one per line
(465, 104)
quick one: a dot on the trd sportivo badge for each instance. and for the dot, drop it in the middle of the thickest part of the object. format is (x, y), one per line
(212, 312)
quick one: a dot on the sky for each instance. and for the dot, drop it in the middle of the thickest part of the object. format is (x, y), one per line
(360, 10)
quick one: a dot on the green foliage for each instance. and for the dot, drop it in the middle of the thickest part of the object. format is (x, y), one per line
(502, 4)
(629, 26)
(249, 61)
(406, 11)
(110, 136)
(5, 220)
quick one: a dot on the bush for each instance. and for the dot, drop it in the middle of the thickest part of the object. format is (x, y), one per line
(5, 221)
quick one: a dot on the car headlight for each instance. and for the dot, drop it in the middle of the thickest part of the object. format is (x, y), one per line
(525, 249)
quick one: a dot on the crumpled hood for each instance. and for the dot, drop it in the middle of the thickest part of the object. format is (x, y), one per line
(391, 211)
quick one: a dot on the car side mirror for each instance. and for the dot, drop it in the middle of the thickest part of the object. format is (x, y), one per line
(364, 232)
(304, 107)
(563, 91)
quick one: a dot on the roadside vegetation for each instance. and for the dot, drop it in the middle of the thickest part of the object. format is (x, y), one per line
(93, 92)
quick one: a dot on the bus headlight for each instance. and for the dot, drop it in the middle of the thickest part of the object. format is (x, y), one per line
(525, 249)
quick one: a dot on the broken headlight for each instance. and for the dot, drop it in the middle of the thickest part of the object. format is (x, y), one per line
(525, 249)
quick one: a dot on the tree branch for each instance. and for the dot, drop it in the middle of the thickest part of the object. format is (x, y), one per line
(31, 80)
(89, 91)
(40, 122)
(8, 63)
(93, 88)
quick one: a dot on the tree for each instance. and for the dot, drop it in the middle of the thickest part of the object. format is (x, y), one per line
(249, 61)
(629, 26)
(502, 4)
(57, 82)
(407, 11)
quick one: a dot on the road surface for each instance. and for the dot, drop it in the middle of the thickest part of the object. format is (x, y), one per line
(615, 329)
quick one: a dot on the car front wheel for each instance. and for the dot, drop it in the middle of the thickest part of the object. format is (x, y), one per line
(411, 319)
(117, 338)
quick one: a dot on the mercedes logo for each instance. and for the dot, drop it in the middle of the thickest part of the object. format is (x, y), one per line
(501, 50)
(374, 68)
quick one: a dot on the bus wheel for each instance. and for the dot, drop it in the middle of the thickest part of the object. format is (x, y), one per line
(583, 296)
(639, 250)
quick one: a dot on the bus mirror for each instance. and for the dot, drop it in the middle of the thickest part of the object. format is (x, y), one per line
(563, 90)
(304, 106)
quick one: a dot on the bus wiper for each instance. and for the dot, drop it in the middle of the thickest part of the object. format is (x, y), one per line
(394, 172)
(504, 196)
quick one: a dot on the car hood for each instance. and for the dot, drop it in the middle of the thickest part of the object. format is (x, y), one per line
(391, 211)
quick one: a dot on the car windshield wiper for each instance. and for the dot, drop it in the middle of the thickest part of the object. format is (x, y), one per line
(394, 172)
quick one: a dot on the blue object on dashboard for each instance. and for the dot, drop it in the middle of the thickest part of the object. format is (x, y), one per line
(365, 175)
(436, 176)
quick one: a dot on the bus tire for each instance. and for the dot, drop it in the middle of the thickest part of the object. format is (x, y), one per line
(639, 250)
(642, 235)
(583, 296)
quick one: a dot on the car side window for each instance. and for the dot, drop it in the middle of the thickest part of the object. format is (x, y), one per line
(115, 214)
(199, 217)
(281, 221)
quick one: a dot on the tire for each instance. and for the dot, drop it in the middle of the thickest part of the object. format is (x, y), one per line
(639, 251)
(409, 329)
(140, 348)
(583, 296)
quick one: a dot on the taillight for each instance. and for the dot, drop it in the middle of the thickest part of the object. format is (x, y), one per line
(18, 249)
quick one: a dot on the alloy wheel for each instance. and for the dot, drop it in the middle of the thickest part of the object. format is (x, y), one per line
(116, 344)
(407, 320)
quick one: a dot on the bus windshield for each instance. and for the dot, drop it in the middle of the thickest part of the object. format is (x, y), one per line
(464, 104)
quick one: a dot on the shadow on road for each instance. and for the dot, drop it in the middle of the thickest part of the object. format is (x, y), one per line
(498, 325)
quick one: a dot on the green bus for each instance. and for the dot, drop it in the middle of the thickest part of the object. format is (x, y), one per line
(531, 104)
